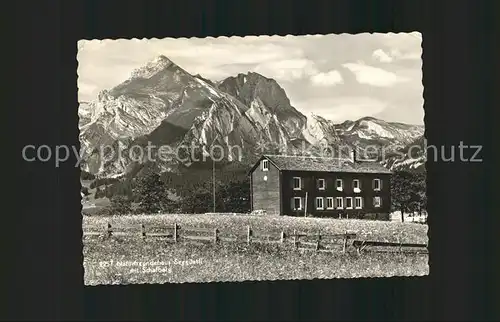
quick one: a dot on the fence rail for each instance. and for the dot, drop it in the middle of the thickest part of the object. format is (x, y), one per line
(313, 241)
(361, 245)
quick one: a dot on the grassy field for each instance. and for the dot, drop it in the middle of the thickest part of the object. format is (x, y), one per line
(119, 260)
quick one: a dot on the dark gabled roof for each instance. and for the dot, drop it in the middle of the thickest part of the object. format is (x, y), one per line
(321, 164)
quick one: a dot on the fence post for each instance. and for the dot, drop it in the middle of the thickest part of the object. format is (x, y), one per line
(295, 238)
(109, 232)
(317, 241)
(216, 235)
(143, 231)
(282, 236)
(175, 232)
(249, 234)
(345, 242)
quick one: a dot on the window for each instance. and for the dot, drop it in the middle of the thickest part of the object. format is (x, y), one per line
(329, 203)
(348, 203)
(338, 184)
(297, 184)
(377, 202)
(319, 203)
(355, 184)
(321, 184)
(265, 165)
(358, 202)
(297, 203)
(376, 184)
(340, 202)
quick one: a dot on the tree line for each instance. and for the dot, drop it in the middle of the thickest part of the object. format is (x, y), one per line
(186, 192)
(153, 195)
(192, 192)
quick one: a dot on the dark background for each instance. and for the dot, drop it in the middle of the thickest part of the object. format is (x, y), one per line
(458, 65)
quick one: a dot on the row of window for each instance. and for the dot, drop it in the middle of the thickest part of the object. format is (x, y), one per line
(336, 203)
(339, 184)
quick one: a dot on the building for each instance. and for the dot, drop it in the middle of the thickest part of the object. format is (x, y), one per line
(320, 187)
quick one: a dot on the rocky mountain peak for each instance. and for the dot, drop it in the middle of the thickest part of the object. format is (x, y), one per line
(369, 118)
(152, 67)
(162, 59)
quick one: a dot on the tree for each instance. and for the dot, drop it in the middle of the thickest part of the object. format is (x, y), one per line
(235, 196)
(102, 181)
(419, 193)
(232, 196)
(152, 194)
(401, 186)
(107, 191)
(99, 193)
(84, 175)
(408, 192)
(121, 205)
(199, 201)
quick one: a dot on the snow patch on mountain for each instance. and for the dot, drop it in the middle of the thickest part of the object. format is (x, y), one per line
(258, 114)
(208, 87)
(373, 129)
(406, 163)
(318, 130)
(152, 68)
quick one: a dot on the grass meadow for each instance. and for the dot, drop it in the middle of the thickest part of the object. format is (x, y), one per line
(132, 260)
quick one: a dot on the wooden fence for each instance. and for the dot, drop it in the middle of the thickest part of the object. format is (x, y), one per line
(318, 242)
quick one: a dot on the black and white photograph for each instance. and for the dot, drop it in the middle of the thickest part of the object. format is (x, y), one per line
(252, 158)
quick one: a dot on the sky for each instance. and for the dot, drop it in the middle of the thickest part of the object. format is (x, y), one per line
(340, 77)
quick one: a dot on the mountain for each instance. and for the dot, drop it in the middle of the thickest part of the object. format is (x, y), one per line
(265, 98)
(412, 157)
(161, 104)
(134, 107)
(365, 132)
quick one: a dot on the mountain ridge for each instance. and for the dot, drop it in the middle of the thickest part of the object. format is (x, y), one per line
(164, 104)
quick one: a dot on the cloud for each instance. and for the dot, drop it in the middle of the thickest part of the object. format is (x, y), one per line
(287, 70)
(397, 54)
(214, 58)
(341, 109)
(85, 88)
(330, 78)
(382, 56)
(320, 72)
(374, 76)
